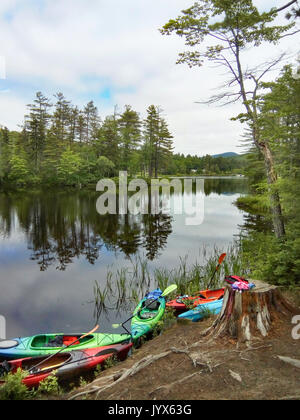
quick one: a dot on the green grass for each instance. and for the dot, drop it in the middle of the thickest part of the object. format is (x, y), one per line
(128, 285)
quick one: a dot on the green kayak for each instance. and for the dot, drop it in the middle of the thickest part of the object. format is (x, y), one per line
(146, 316)
(39, 345)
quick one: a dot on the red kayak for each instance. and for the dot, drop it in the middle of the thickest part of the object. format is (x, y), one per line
(65, 365)
(204, 296)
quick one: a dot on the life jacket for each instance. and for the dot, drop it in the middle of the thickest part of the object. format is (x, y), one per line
(154, 295)
(234, 279)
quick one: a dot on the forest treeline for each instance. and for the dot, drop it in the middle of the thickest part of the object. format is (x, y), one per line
(62, 144)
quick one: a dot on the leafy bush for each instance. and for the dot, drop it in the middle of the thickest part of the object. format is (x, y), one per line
(13, 388)
(50, 385)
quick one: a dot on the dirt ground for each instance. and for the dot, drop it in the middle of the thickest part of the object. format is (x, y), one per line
(209, 370)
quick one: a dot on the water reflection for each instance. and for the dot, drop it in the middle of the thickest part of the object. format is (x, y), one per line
(60, 227)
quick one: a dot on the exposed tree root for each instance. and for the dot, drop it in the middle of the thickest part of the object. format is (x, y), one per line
(110, 380)
(168, 387)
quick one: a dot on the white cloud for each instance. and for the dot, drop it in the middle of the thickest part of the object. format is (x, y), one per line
(82, 48)
(12, 109)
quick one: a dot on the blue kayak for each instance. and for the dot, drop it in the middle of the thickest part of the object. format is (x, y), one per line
(202, 311)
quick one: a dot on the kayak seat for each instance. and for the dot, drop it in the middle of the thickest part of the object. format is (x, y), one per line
(149, 304)
(147, 314)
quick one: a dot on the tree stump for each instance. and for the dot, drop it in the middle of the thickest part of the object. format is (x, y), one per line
(249, 315)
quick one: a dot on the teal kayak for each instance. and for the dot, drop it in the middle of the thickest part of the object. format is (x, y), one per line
(203, 310)
(42, 344)
(146, 315)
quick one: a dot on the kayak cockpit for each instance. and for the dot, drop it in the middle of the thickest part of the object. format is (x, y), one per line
(58, 340)
(149, 309)
(45, 363)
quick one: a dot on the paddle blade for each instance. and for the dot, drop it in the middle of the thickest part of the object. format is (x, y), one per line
(90, 332)
(116, 325)
(222, 258)
(169, 290)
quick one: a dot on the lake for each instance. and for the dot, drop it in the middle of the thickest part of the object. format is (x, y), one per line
(54, 245)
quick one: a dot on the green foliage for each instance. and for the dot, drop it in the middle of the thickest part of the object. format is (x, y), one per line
(82, 382)
(73, 147)
(50, 386)
(272, 260)
(13, 388)
(237, 23)
(276, 261)
(110, 362)
(19, 169)
(69, 167)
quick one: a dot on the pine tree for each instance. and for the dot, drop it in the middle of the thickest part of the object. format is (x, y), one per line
(157, 147)
(92, 122)
(130, 135)
(36, 124)
(108, 141)
(151, 138)
(61, 119)
(164, 146)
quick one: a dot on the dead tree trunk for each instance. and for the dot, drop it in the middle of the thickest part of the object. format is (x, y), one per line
(248, 316)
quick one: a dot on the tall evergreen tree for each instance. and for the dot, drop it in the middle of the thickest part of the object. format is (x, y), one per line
(130, 135)
(92, 122)
(108, 141)
(61, 118)
(164, 146)
(151, 138)
(36, 124)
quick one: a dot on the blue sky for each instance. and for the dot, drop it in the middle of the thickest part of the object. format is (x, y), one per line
(112, 52)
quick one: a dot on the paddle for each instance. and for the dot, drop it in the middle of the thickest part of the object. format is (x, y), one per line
(64, 348)
(166, 292)
(221, 258)
(196, 294)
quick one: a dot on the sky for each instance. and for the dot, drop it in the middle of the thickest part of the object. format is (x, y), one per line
(112, 52)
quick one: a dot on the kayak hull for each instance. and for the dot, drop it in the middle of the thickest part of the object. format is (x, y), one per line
(38, 345)
(66, 365)
(204, 296)
(140, 327)
(203, 310)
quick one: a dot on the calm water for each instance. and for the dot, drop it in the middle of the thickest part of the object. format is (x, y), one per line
(54, 245)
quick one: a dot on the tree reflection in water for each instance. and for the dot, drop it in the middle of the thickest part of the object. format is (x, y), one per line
(61, 226)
